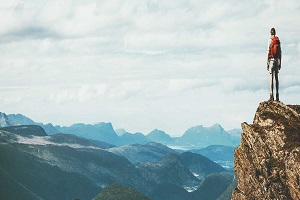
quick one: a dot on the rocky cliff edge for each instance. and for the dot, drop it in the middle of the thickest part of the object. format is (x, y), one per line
(267, 162)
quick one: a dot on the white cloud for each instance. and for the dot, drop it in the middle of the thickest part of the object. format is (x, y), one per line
(139, 56)
(63, 96)
(292, 90)
(88, 92)
(84, 93)
(183, 85)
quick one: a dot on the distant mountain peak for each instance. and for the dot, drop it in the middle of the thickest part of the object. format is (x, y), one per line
(134, 138)
(156, 131)
(160, 137)
(200, 136)
(107, 125)
(20, 119)
(217, 125)
(5, 121)
(137, 134)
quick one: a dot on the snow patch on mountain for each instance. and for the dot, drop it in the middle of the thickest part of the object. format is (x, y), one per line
(44, 140)
(191, 189)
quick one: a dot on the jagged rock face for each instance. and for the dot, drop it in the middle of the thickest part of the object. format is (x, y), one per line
(267, 162)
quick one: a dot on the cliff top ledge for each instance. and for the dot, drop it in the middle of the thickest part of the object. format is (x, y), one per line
(267, 162)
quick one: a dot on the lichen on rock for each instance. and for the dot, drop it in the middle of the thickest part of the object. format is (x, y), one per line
(267, 162)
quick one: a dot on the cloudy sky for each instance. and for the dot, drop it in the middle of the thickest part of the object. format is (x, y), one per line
(144, 64)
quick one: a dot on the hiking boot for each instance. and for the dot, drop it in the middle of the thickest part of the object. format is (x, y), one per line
(277, 96)
(271, 97)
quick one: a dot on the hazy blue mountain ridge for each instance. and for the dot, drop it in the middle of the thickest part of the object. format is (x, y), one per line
(19, 119)
(194, 138)
(199, 137)
(100, 131)
(136, 138)
(236, 134)
(160, 136)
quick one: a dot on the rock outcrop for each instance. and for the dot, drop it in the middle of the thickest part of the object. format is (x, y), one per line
(267, 162)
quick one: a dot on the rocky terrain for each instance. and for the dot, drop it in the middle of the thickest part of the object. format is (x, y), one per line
(267, 162)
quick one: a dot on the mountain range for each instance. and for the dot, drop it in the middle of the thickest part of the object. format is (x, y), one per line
(194, 138)
(39, 166)
(207, 141)
(200, 136)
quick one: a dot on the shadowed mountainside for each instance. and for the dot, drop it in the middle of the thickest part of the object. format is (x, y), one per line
(120, 192)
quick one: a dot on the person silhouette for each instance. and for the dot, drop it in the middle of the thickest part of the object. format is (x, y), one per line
(274, 62)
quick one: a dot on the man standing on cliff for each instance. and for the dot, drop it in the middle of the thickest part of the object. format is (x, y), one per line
(274, 62)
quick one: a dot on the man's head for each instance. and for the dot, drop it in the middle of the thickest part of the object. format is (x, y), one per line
(273, 31)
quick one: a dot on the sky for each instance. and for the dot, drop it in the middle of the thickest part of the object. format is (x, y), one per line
(144, 64)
